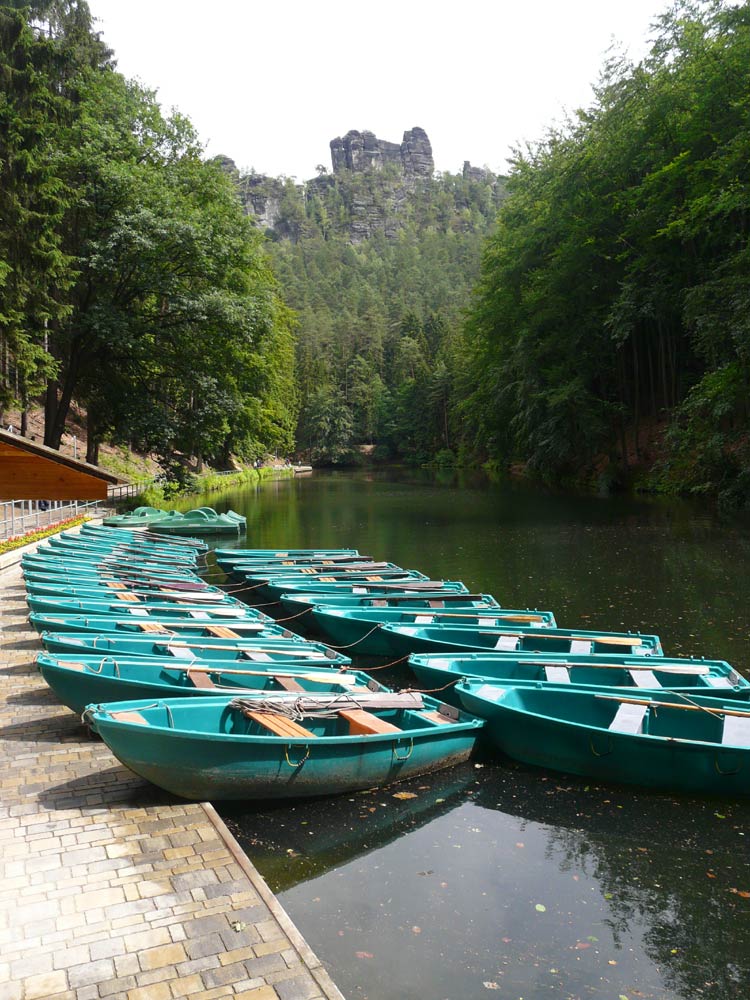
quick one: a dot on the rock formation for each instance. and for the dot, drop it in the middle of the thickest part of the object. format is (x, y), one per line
(362, 152)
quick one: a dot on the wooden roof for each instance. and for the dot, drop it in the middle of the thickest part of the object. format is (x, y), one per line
(32, 471)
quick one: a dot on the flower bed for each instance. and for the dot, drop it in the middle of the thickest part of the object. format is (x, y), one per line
(18, 541)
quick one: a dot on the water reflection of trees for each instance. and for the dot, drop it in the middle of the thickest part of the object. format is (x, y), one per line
(677, 867)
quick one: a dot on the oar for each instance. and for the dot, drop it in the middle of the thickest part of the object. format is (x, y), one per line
(654, 665)
(670, 704)
(479, 613)
(318, 678)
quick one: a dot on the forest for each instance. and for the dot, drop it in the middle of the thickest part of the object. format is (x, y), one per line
(584, 319)
(132, 284)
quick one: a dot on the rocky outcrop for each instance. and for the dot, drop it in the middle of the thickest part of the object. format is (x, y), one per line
(363, 152)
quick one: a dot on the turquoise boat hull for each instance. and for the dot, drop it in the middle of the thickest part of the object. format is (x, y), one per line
(677, 743)
(237, 555)
(201, 749)
(138, 518)
(411, 586)
(184, 591)
(250, 624)
(297, 602)
(258, 648)
(78, 681)
(229, 608)
(436, 670)
(201, 521)
(405, 640)
(360, 628)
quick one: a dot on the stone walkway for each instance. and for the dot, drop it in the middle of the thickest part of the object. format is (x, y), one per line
(110, 887)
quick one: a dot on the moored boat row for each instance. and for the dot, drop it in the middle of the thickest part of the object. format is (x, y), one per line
(124, 618)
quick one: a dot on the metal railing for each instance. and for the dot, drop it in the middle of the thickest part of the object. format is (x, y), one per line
(17, 517)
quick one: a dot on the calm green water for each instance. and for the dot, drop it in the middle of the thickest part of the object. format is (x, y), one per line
(494, 878)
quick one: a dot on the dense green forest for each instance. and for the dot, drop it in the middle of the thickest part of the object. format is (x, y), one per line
(585, 318)
(131, 280)
(614, 302)
(380, 315)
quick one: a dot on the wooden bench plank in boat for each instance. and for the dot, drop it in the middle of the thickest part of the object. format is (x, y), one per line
(151, 627)
(288, 683)
(222, 632)
(361, 722)
(279, 725)
(200, 679)
(507, 642)
(130, 717)
(582, 647)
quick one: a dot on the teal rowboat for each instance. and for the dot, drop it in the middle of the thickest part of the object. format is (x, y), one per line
(360, 627)
(294, 603)
(220, 748)
(177, 590)
(140, 517)
(237, 555)
(365, 588)
(659, 739)
(406, 639)
(252, 623)
(79, 680)
(229, 608)
(435, 670)
(201, 521)
(258, 648)
(270, 589)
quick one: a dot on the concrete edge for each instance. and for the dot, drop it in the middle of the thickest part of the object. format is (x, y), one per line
(260, 885)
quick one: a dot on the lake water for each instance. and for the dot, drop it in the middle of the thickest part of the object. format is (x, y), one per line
(493, 878)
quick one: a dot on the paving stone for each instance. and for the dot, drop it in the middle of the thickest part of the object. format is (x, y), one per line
(117, 891)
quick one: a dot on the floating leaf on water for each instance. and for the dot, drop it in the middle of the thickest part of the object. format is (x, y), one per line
(592, 938)
(580, 945)
(439, 800)
(608, 895)
(719, 815)
(405, 795)
(416, 930)
(491, 986)
(520, 844)
(611, 962)
(364, 954)
(540, 908)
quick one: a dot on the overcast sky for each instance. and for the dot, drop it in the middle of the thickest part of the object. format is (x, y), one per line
(270, 84)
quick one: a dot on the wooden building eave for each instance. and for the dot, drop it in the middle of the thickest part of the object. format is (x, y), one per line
(32, 471)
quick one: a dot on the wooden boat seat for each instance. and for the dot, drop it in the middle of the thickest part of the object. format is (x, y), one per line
(152, 627)
(645, 678)
(72, 665)
(424, 619)
(558, 675)
(629, 719)
(200, 679)
(129, 717)
(116, 586)
(436, 604)
(582, 647)
(222, 632)
(127, 597)
(289, 684)
(257, 657)
(361, 722)
(437, 717)
(736, 731)
(279, 725)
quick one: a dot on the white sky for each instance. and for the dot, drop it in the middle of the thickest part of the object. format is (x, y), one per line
(270, 84)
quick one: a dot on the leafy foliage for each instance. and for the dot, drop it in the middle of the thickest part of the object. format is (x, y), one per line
(614, 291)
